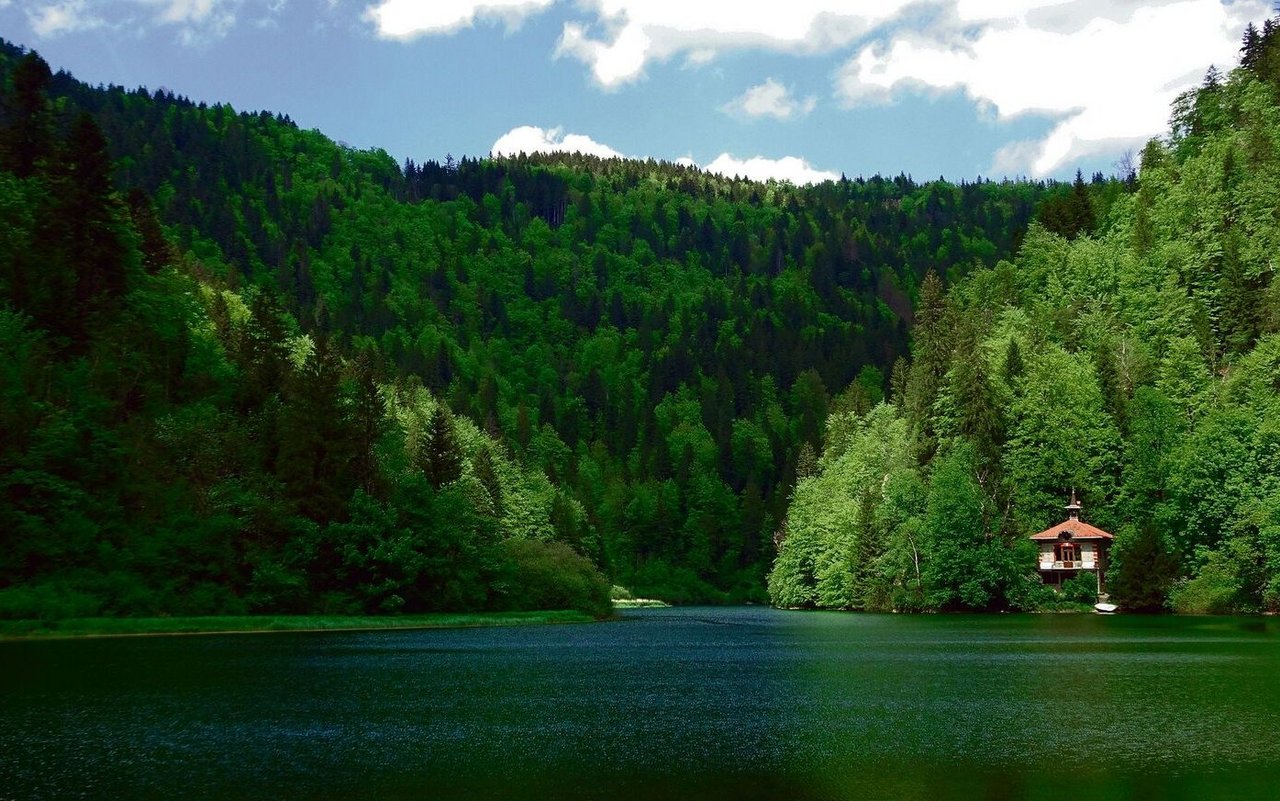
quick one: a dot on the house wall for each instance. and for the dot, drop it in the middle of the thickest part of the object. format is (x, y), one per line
(1088, 555)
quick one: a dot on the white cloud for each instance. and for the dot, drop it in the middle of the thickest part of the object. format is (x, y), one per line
(55, 19)
(788, 168)
(408, 19)
(770, 99)
(1107, 80)
(190, 11)
(626, 35)
(195, 20)
(532, 139)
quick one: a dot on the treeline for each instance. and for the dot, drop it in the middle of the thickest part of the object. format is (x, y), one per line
(176, 443)
(1137, 363)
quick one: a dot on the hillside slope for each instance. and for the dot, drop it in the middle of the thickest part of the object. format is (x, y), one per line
(1138, 366)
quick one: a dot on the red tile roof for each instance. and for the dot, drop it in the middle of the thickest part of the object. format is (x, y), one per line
(1079, 531)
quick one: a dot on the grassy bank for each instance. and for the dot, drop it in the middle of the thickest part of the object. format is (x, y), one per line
(127, 626)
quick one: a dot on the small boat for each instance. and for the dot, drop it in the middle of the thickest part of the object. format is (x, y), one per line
(1105, 609)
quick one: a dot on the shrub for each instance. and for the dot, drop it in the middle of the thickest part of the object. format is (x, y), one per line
(540, 575)
(1082, 588)
(48, 601)
(676, 585)
(1214, 592)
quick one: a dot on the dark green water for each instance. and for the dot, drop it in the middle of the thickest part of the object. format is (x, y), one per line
(700, 703)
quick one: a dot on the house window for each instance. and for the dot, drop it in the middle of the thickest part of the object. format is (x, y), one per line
(1066, 552)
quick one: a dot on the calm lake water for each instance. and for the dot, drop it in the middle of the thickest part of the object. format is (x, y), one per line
(705, 703)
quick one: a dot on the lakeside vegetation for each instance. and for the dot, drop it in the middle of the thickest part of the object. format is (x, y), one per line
(1128, 353)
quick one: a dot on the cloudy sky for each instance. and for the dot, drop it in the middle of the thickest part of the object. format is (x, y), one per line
(802, 90)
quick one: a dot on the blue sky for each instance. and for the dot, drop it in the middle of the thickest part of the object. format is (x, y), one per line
(800, 90)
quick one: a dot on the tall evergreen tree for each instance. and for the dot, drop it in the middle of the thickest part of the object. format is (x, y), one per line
(439, 457)
(28, 137)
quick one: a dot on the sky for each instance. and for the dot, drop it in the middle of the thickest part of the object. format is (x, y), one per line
(802, 90)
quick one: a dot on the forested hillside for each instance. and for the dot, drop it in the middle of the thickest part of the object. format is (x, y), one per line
(174, 442)
(251, 368)
(1138, 364)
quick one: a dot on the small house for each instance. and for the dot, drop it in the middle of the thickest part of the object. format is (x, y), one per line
(1072, 546)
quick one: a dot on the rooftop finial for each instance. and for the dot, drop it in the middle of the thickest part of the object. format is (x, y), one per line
(1073, 508)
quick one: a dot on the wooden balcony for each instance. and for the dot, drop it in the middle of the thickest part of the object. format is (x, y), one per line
(1076, 564)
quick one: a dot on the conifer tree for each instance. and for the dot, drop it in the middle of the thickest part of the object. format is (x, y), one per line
(28, 140)
(88, 207)
(1250, 45)
(1013, 367)
(440, 458)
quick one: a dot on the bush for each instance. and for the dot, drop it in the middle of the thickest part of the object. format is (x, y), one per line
(540, 575)
(1082, 588)
(49, 601)
(675, 585)
(1030, 594)
(1215, 591)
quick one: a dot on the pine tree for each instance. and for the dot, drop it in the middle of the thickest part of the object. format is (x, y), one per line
(317, 444)
(1081, 216)
(1013, 366)
(1250, 47)
(932, 356)
(28, 141)
(440, 458)
(88, 207)
(156, 250)
(979, 417)
(1143, 571)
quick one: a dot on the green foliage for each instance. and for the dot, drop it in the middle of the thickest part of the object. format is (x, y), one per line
(439, 457)
(965, 566)
(1062, 438)
(1081, 588)
(180, 443)
(1142, 569)
(677, 585)
(551, 575)
(1215, 590)
(1129, 353)
(836, 551)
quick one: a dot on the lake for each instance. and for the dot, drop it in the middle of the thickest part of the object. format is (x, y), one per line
(665, 703)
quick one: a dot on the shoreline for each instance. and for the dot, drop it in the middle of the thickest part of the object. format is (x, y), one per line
(110, 628)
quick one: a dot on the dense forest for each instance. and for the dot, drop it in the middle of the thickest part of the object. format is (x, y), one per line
(247, 368)
(1135, 360)
(238, 354)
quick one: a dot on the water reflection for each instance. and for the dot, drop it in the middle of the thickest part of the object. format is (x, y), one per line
(706, 703)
